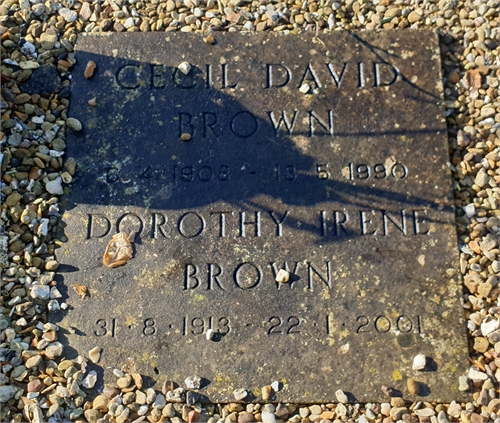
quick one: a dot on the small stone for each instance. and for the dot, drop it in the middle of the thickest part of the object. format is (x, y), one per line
(185, 136)
(397, 402)
(85, 13)
(268, 417)
(15, 139)
(414, 17)
(397, 412)
(150, 395)
(304, 88)
(33, 362)
(341, 396)
(191, 398)
(89, 69)
(494, 405)
(54, 187)
(90, 380)
(159, 402)
(168, 411)
(234, 407)
(51, 265)
(68, 15)
(329, 415)
(481, 344)
(100, 403)
(193, 382)
(482, 178)
(74, 124)
(304, 412)
(22, 98)
(275, 386)
(95, 354)
(192, 416)
(92, 415)
(167, 386)
(137, 378)
(209, 39)
(41, 292)
(266, 392)
(140, 397)
(281, 412)
(425, 412)
(13, 199)
(6, 393)
(475, 418)
(475, 374)
(245, 417)
(385, 408)
(441, 417)
(124, 381)
(283, 276)
(184, 67)
(413, 387)
(54, 350)
(240, 394)
(92, 102)
(419, 362)
(35, 385)
(315, 409)
(210, 335)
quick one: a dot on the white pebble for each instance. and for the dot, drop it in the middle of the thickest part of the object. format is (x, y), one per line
(40, 292)
(489, 327)
(240, 394)
(304, 88)
(470, 210)
(268, 417)
(90, 380)
(475, 374)
(54, 187)
(184, 67)
(283, 276)
(193, 382)
(210, 334)
(419, 362)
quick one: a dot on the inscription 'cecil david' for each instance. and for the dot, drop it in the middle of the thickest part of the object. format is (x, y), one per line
(225, 76)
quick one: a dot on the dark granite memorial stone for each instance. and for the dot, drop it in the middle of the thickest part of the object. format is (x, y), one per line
(325, 157)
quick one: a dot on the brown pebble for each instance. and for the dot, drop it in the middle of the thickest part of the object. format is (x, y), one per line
(100, 403)
(266, 392)
(92, 102)
(397, 402)
(454, 78)
(245, 417)
(35, 385)
(89, 69)
(34, 173)
(209, 39)
(192, 416)
(168, 386)
(185, 136)
(413, 387)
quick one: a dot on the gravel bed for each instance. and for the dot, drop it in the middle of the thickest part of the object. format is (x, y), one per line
(38, 384)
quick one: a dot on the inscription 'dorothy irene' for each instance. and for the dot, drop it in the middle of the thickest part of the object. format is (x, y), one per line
(326, 158)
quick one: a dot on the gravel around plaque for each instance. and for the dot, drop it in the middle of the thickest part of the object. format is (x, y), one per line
(38, 383)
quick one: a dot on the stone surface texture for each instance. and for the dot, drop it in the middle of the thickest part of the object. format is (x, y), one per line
(355, 170)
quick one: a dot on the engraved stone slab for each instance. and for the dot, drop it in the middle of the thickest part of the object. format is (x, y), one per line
(327, 158)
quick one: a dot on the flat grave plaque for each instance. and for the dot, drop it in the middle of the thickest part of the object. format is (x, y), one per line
(325, 157)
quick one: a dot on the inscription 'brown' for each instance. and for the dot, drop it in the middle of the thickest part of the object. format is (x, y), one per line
(327, 160)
